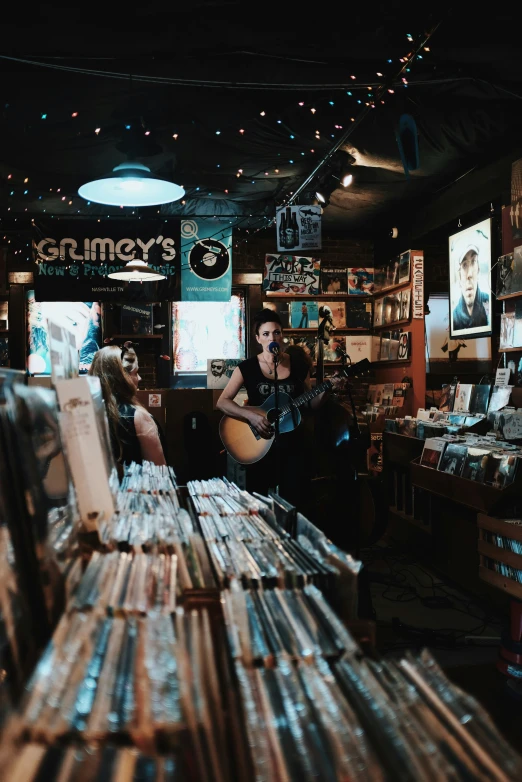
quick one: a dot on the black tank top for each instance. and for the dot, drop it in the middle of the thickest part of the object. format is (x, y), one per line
(259, 387)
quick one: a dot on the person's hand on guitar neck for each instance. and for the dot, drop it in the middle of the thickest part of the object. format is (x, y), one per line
(259, 422)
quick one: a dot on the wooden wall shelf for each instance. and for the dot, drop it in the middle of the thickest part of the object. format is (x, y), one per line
(392, 289)
(392, 363)
(391, 326)
(510, 296)
(510, 350)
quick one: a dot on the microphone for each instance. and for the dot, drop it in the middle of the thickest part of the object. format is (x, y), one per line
(274, 348)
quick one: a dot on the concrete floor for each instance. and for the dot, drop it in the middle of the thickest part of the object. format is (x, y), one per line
(415, 608)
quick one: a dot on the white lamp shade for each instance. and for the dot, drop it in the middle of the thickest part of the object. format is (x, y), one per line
(131, 184)
(137, 271)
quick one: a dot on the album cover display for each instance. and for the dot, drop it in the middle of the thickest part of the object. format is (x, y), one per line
(136, 318)
(453, 460)
(392, 308)
(334, 349)
(358, 313)
(475, 464)
(304, 314)
(360, 281)
(405, 304)
(505, 275)
(432, 452)
(336, 310)
(404, 351)
(404, 267)
(479, 399)
(394, 345)
(500, 397)
(507, 330)
(378, 312)
(334, 281)
(306, 341)
(517, 334)
(447, 398)
(462, 397)
(385, 346)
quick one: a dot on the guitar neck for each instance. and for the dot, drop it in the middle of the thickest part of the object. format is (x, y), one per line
(301, 400)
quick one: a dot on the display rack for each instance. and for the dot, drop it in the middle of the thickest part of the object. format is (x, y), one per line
(479, 496)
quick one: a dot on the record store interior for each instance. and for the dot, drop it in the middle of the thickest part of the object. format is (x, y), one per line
(260, 393)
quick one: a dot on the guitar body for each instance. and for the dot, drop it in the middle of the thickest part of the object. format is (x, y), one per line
(245, 445)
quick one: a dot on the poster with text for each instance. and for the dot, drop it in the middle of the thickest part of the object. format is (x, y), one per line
(79, 255)
(291, 274)
(206, 260)
(298, 228)
(470, 281)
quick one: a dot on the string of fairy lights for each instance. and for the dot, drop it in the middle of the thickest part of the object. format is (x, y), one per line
(319, 123)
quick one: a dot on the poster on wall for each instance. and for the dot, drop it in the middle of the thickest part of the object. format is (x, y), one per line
(298, 228)
(83, 318)
(206, 260)
(291, 274)
(440, 347)
(470, 281)
(219, 371)
(81, 254)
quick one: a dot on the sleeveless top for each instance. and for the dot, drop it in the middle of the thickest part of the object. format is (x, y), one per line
(129, 449)
(259, 387)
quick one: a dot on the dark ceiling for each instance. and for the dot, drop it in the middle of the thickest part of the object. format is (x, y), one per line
(240, 102)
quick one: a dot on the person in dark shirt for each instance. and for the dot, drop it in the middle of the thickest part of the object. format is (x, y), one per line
(470, 311)
(291, 470)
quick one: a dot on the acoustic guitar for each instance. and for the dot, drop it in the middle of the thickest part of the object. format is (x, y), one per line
(242, 441)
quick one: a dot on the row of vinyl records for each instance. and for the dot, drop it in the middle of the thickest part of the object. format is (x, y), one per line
(476, 458)
(253, 678)
(265, 684)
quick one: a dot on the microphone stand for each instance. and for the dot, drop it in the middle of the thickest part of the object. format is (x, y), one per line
(276, 423)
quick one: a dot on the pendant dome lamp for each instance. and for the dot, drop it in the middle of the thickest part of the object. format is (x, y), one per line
(131, 184)
(137, 271)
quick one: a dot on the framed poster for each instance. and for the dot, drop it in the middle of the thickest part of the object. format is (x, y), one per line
(298, 228)
(291, 274)
(470, 281)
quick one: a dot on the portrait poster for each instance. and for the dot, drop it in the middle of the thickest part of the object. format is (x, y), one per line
(298, 228)
(334, 281)
(206, 260)
(470, 282)
(335, 311)
(219, 371)
(291, 274)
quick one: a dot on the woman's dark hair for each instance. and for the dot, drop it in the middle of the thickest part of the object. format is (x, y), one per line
(266, 316)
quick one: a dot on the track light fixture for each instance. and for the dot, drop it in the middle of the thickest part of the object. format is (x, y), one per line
(339, 174)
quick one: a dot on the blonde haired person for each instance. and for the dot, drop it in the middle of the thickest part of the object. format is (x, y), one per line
(134, 432)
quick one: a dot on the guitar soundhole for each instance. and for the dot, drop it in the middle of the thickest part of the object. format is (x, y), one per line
(271, 416)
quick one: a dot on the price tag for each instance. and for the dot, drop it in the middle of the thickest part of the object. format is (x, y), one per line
(502, 377)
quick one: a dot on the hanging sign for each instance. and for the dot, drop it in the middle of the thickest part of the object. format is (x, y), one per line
(74, 258)
(417, 265)
(206, 260)
(291, 274)
(299, 228)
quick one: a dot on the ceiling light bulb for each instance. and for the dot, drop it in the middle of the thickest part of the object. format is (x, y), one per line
(347, 180)
(320, 197)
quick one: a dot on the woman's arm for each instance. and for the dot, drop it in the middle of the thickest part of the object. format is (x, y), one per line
(250, 415)
(147, 431)
(336, 380)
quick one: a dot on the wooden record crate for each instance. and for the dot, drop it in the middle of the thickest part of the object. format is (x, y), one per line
(489, 550)
(480, 496)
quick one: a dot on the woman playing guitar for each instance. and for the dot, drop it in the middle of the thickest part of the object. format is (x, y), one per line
(290, 468)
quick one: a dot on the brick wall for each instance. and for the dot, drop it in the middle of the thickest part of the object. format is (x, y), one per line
(249, 254)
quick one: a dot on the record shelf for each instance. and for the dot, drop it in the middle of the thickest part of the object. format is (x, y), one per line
(196, 643)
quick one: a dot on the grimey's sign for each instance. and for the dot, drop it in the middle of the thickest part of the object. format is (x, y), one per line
(74, 258)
